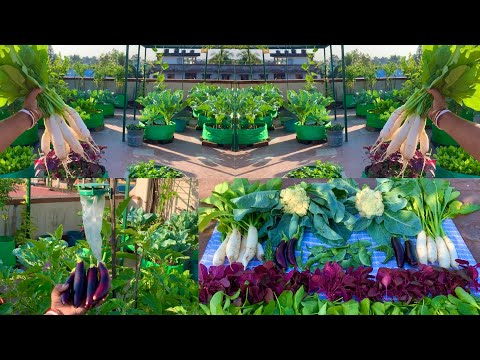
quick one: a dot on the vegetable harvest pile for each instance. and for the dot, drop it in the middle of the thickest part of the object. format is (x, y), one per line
(454, 70)
(339, 266)
(24, 68)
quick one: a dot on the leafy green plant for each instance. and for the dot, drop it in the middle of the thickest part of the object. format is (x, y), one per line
(151, 170)
(309, 107)
(103, 96)
(160, 107)
(135, 127)
(336, 127)
(456, 159)
(7, 186)
(26, 230)
(382, 106)
(367, 96)
(16, 158)
(311, 75)
(321, 169)
(85, 107)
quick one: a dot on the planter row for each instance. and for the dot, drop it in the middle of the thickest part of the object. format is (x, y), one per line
(225, 136)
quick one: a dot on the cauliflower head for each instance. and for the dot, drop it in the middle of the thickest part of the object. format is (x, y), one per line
(369, 203)
(295, 200)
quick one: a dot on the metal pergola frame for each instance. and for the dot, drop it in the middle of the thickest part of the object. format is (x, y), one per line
(273, 47)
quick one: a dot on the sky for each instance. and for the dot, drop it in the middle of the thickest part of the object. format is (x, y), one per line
(372, 50)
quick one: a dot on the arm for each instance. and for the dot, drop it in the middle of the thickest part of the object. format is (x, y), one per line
(465, 133)
(17, 124)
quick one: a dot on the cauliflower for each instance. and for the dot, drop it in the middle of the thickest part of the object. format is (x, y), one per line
(369, 203)
(295, 200)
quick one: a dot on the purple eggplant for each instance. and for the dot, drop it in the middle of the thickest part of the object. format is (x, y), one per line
(79, 284)
(291, 244)
(104, 284)
(67, 295)
(399, 251)
(280, 256)
(410, 256)
(92, 284)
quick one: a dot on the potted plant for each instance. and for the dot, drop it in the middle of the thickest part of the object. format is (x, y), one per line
(157, 114)
(249, 108)
(17, 162)
(135, 134)
(77, 167)
(7, 243)
(320, 170)
(91, 116)
(310, 109)
(335, 135)
(455, 162)
(378, 115)
(105, 102)
(364, 101)
(151, 170)
(391, 167)
(219, 107)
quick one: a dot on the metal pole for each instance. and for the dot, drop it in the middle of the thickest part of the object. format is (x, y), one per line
(206, 64)
(125, 100)
(183, 66)
(325, 77)
(344, 96)
(219, 64)
(28, 204)
(250, 60)
(264, 69)
(113, 239)
(125, 212)
(286, 65)
(333, 84)
(144, 70)
(136, 85)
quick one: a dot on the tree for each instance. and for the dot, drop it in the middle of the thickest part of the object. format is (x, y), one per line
(51, 53)
(418, 54)
(248, 58)
(223, 56)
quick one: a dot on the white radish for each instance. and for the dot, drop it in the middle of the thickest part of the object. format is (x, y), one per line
(398, 139)
(45, 142)
(260, 255)
(393, 123)
(452, 251)
(76, 122)
(243, 247)
(443, 254)
(57, 138)
(219, 256)
(431, 250)
(424, 142)
(69, 137)
(78, 133)
(421, 247)
(412, 139)
(233, 246)
(251, 244)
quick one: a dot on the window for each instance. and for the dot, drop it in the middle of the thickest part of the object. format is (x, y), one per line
(190, 75)
(190, 60)
(225, 76)
(244, 77)
(279, 76)
(209, 76)
(170, 76)
(179, 60)
(280, 61)
(299, 76)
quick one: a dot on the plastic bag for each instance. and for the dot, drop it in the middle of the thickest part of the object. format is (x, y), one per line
(92, 216)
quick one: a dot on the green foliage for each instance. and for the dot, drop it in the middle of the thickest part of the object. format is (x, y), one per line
(151, 170)
(309, 106)
(26, 230)
(16, 158)
(321, 169)
(102, 96)
(161, 106)
(85, 107)
(456, 159)
(355, 255)
(7, 186)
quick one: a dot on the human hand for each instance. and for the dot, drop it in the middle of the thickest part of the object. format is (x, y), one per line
(68, 309)
(30, 103)
(439, 103)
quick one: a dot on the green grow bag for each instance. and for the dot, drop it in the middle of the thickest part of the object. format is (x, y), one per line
(108, 110)
(349, 101)
(159, 132)
(7, 245)
(374, 121)
(428, 124)
(306, 132)
(217, 136)
(29, 137)
(444, 173)
(119, 101)
(205, 120)
(95, 121)
(290, 125)
(361, 109)
(25, 173)
(180, 125)
(194, 265)
(41, 123)
(252, 136)
(265, 120)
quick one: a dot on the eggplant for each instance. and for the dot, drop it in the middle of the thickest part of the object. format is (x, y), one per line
(67, 295)
(79, 284)
(399, 251)
(291, 252)
(410, 256)
(104, 284)
(92, 284)
(280, 256)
